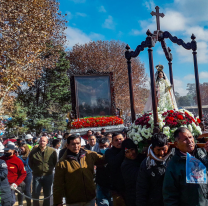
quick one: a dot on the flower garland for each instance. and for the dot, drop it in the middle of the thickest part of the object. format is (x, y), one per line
(169, 121)
(96, 122)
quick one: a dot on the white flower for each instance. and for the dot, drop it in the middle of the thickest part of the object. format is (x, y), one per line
(190, 128)
(166, 129)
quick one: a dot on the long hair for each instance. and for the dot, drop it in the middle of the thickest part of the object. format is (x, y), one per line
(158, 75)
(27, 151)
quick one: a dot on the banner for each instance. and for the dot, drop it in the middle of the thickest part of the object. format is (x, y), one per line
(196, 172)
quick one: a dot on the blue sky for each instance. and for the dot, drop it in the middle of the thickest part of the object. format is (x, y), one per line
(128, 21)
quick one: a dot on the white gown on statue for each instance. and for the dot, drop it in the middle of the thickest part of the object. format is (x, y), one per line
(165, 96)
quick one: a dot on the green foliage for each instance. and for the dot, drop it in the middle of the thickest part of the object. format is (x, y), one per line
(48, 100)
(17, 126)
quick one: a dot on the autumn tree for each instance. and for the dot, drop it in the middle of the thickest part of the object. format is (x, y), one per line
(31, 36)
(204, 94)
(108, 56)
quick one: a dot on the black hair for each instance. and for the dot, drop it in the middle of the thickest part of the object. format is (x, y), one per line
(102, 129)
(158, 75)
(55, 142)
(129, 144)
(65, 134)
(116, 134)
(72, 137)
(178, 131)
(92, 135)
(159, 140)
(103, 140)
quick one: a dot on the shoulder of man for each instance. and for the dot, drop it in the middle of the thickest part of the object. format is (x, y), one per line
(3, 164)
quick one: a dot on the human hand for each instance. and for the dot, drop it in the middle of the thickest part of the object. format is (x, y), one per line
(13, 186)
(206, 146)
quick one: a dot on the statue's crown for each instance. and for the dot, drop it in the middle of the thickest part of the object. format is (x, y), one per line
(159, 67)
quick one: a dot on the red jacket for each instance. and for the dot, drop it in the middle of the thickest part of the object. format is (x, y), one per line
(16, 170)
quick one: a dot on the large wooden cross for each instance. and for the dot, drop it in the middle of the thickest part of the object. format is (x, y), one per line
(158, 15)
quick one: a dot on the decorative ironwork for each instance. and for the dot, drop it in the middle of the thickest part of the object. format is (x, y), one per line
(175, 40)
(158, 15)
(150, 41)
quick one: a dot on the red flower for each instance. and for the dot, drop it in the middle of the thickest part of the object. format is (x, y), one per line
(180, 117)
(171, 118)
(171, 111)
(199, 121)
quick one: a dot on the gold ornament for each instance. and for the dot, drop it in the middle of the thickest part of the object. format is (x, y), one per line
(159, 67)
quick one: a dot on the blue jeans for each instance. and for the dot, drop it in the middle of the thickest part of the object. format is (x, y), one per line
(103, 196)
(38, 183)
(26, 190)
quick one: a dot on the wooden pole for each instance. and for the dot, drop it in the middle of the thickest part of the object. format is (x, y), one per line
(171, 74)
(153, 90)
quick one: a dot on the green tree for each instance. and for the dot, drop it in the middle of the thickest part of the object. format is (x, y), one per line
(18, 124)
(184, 101)
(48, 100)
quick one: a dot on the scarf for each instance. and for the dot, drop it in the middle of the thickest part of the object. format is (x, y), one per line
(151, 158)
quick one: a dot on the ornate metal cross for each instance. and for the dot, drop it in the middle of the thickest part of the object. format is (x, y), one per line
(158, 15)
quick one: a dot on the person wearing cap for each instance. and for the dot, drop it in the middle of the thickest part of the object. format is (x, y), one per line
(130, 169)
(42, 160)
(16, 170)
(5, 192)
(29, 142)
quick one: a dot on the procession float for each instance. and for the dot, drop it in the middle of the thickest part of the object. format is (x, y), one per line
(161, 113)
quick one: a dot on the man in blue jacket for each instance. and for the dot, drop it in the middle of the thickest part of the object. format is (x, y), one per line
(93, 145)
(176, 191)
(5, 190)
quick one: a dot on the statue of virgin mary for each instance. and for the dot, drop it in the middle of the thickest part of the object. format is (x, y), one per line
(164, 92)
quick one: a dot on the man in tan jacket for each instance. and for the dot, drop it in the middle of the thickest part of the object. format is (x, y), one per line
(42, 160)
(74, 175)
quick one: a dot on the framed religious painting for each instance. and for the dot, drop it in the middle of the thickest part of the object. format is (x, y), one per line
(92, 95)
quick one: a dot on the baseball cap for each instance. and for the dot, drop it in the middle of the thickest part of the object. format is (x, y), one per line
(78, 134)
(10, 146)
(59, 136)
(28, 136)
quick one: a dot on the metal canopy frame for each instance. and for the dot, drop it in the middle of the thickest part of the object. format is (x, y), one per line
(149, 43)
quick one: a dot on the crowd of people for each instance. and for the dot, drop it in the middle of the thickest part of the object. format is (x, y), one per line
(100, 168)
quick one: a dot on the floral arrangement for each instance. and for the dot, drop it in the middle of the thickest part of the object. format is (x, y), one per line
(169, 121)
(96, 122)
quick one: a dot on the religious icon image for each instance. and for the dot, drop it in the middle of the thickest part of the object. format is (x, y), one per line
(93, 95)
(164, 93)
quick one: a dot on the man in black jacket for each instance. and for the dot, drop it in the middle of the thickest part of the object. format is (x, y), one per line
(5, 191)
(114, 157)
(129, 169)
(152, 171)
(176, 191)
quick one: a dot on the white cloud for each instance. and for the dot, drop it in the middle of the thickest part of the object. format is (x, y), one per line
(150, 5)
(76, 36)
(109, 24)
(160, 51)
(69, 15)
(179, 87)
(189, 77)
(173, 21)
(203, 75)
(186, 56)
(102, 9)
(135, 32)
(81, 14)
